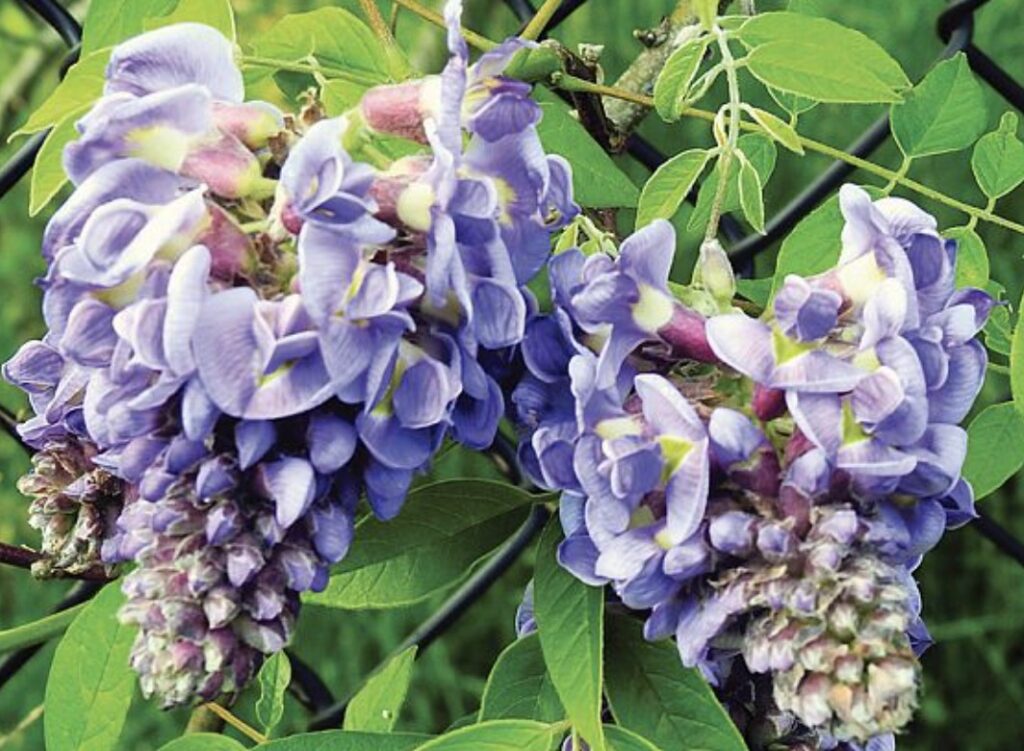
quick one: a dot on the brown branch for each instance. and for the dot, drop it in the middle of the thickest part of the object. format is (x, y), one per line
(22, 557)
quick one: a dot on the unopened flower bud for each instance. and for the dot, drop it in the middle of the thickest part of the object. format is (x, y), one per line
(714, 272)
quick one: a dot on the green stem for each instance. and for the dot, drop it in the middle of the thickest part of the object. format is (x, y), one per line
(997, 368)
(989, 206)
(39, 631)
(901, 173)
(300, 67)
(237, 723)
(728, 148)
(575, 84)
(474, 39)
(540, 19)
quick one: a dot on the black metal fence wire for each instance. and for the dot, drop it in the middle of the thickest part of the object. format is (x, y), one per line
(955, 27)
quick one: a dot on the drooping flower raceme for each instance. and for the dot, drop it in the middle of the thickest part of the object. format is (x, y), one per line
(243, 340)
(764, 487)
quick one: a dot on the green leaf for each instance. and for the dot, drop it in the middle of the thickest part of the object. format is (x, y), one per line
(998, 159)
(841, 64)
(814, 244)
(339, 96)
(338, 40)
(756, 290)
(794, 104)
(668, 187)
(82, 86)
(442, 531)
(48, 175)
(519, 686)
(751, 198)
(797, 67)
(345, 740)
(108, 22)
(375, 708)
(1017, 364)
(673, 84)
(569, 620)
(203, 742)
(215, 13)
(945, 112)
(596, 179)
(778, 129)
(652, 694)
(999, 329)
(971, 258)
(91, 682)
(620, 739)
(707, 12)
(761, 152)
(496, 735)
(274, 677)
(995, 448)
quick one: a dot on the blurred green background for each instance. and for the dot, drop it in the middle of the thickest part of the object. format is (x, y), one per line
(973, 597)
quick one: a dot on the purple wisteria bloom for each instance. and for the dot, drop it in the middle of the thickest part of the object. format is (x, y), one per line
(626, 300)
(762, 488)
(165, 96)
(250, 330)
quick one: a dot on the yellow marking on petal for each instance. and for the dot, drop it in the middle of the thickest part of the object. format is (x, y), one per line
(175, 248)
(642, 517)
(664, 540)
(673, 450)
(124, 294)
(281, 370)
(357, 280)
(414, 205)
(852, 431)
(160, 146)
(506, 197)
(653, 310)
(408, 354)
(867, 359)
(617, 427)
(861, 277)
(786, 349)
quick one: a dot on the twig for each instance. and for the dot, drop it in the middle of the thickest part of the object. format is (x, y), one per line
(540, 19)
(27, 721)
(474, 39)
(641, 74)
(202, 720)
(21, 557)
(377, 23)
(240, 725)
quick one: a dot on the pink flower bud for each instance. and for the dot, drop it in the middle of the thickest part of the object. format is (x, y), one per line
(686, 335)
(229, 246)
(396, 109)
(768, 403)
(252, 123)
(225, 165)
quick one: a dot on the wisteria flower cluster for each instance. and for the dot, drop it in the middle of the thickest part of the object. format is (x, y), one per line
(763, 488)
(249, 329)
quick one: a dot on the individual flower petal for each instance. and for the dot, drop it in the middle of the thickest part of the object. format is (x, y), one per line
(291, 484)
(174, 55)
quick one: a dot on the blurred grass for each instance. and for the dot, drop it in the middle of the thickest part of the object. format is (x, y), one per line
(974, 597)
